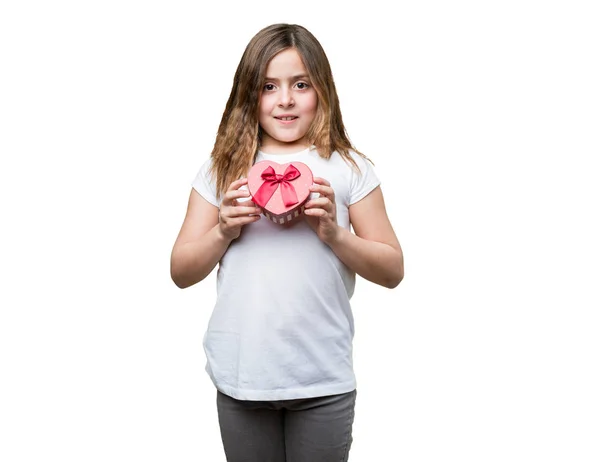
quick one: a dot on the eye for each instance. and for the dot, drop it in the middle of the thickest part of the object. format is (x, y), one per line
(302, 85)
(269, 87)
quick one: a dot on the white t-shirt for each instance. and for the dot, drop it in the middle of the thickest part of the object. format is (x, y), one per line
(282, 326)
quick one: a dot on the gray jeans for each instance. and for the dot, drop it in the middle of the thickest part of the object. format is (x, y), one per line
(296, 430)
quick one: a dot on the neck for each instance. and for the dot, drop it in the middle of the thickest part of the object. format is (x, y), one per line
(271, 146)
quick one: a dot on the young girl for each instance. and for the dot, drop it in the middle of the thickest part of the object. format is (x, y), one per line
(279, 341)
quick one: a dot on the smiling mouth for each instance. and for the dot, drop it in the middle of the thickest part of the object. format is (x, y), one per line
(286, 118)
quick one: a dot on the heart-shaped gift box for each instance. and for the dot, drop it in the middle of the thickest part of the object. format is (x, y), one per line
(280, 190)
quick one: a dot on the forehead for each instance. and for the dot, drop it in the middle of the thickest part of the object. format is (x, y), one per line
(286, 63)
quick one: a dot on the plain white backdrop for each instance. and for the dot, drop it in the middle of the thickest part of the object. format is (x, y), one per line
(482, 120)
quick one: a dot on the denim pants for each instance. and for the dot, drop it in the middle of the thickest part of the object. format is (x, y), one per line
(296, 430)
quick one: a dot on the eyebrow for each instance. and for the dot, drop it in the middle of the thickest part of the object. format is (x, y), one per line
(294, 77)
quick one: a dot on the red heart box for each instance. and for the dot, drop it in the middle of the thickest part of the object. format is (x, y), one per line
(280, 190)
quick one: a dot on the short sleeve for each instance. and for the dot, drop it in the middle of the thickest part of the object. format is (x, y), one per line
(364, 182)
(205, 185)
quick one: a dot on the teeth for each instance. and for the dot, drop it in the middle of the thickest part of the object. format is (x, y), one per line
(287, 118)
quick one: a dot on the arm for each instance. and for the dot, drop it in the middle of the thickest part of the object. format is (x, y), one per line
(374, 251)
(206, 234)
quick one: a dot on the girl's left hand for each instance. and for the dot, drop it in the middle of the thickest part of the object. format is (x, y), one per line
(321, 212)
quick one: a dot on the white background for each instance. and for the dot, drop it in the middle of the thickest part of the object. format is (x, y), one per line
(483, 121)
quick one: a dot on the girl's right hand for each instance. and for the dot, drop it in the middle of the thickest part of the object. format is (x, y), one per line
(233, 216)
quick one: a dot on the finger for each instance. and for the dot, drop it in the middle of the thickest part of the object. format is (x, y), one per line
(241, 210)
(229, 196)
(316, 212)
(241, 221)
(322, 202)
(323, 190)
(238, 211)
(322, 181)
(237, 183)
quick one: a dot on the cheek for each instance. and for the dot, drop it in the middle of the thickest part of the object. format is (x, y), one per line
(311, 105)
(265, 106)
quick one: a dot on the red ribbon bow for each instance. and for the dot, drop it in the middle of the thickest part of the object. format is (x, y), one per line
(272, 180)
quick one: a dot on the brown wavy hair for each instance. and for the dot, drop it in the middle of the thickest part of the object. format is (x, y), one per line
(239, 134)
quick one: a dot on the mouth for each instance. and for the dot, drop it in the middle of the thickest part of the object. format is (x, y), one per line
(287, 118)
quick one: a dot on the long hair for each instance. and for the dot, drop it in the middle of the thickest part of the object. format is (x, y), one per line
(239, 132)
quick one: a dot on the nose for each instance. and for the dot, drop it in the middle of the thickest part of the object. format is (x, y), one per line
(285, 98)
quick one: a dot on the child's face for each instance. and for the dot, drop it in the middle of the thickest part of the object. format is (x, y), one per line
(287, 91)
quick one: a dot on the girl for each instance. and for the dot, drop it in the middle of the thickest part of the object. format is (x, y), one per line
(279, 341)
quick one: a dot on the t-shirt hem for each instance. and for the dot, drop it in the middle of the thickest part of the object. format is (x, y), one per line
(292, 393)
(209, 199)
(364, 193)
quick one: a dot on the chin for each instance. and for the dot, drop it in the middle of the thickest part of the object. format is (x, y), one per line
(287, 139)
